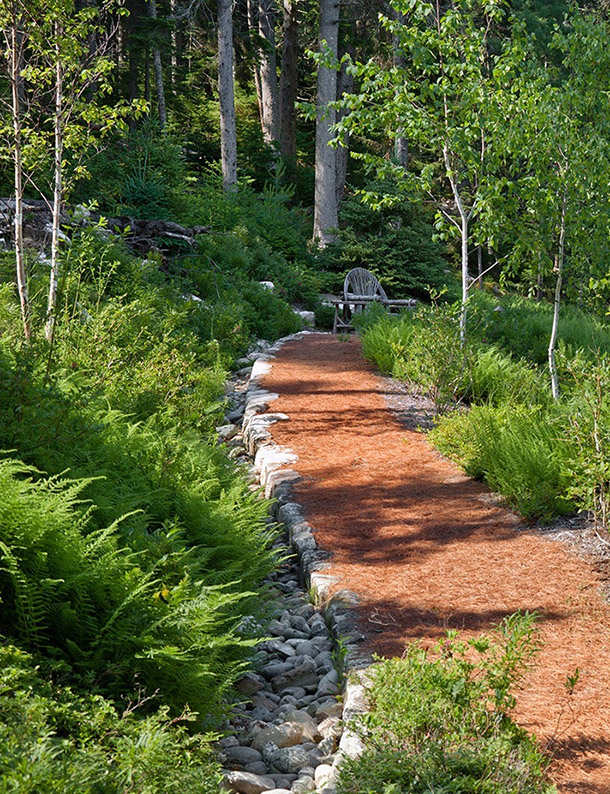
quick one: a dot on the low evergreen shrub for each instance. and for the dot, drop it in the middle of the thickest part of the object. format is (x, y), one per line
(439, 720)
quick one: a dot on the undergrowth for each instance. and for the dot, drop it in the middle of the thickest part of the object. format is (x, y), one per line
(439, 720)
(496, 415)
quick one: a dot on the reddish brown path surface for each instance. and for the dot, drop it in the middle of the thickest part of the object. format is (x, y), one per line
(427, 549)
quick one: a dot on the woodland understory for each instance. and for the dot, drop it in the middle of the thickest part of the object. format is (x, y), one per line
(181, 153)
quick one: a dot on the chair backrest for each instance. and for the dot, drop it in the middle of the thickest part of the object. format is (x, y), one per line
(360, 282)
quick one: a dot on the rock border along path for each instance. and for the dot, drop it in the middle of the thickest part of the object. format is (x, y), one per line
(290, 737)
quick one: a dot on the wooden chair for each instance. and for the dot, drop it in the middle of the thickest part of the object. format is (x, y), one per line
(361, 288)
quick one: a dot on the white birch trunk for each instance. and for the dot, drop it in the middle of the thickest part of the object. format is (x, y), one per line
(464, 308)
(226, 94)
(57, 193)
(270, 99)
(15, 70)
(559, 259)
(325, 201)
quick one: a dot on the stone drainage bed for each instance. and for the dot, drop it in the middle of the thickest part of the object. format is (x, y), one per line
(290, 734)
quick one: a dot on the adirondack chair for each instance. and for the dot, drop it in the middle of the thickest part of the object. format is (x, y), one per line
(361, 288)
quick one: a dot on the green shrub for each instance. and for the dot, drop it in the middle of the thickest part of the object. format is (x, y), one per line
(60, 742)
(518, 450)
(439, 722)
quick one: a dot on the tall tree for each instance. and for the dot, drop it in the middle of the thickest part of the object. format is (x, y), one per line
(157, 65)
(326, 218)
(289, 76)
(15, 39)
(270, 104)
(226, 95)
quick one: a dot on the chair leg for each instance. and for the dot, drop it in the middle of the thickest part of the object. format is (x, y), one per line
(335, 321)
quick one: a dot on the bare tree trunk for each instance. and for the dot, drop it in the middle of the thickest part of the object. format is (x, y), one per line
(559, 259)
(480, 266)
(158, 69)
(464, 309)
(401, 145)
(16, 47)
(226, 94)
(173, 72)
(539, 283)
(289, 82)
(345, 85)
(270, 100)
(325, 201)
(252, 12)
(57, 192)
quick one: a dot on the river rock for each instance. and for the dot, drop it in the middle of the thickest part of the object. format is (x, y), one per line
(303, 674)
(329, 683)
(290, 759)
(285, 735)
(329, 709)
(310, 732)
(242, 755)
(323, 775)
(258, 767)
(247, 783)
(304, 785)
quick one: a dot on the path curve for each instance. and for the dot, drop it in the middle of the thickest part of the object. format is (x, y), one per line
(427, 548)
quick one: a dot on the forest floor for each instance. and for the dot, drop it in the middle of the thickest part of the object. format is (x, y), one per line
(428, 549)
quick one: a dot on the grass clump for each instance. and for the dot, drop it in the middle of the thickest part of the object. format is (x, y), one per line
(439, 721)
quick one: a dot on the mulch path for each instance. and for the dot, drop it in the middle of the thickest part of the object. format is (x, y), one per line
(427, 549)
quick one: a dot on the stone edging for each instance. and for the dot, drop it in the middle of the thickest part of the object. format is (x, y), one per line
(273, 464)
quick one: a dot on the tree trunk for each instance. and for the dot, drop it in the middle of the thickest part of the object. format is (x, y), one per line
(401, 145)
(270, 100)
(325, 202)
(289, 82)
(345, 85)
(252, 12)
(129, 22)
(480, 266)
(464, 309)
(157, 67)
(559, 259)
(57, 193)
(15, 67)
(226, 95)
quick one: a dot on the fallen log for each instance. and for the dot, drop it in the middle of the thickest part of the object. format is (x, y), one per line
(141, 235)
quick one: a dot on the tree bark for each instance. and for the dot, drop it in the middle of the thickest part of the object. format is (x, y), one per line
(559, 260)
(252, 12)
(226, 94)
(16, 42)
(289, 82)
(401, 145)
(57, 191)
(268, 73)
(480, 266)
(325, 200)
(157, 68)
(345, 85)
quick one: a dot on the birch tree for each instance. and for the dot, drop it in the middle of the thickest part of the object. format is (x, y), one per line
(560, 139)
(443, 94)
(15, 39)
